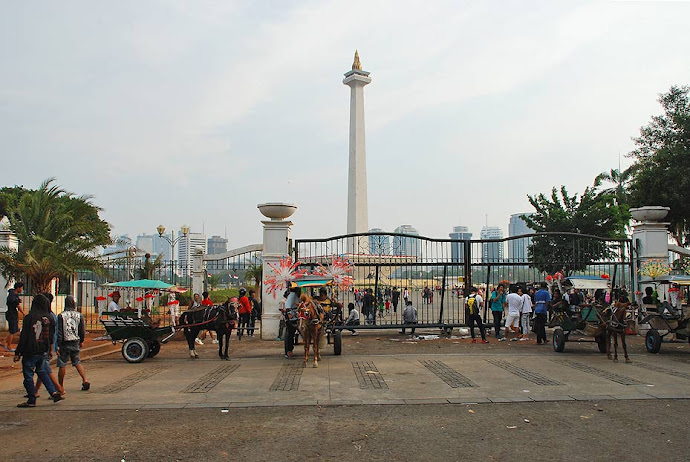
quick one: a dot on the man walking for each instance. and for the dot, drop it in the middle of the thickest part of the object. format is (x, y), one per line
(13, 305)
(395, 299)
(35, 341)
(542, 301)
(70, 336)
(473, 306)
(497, 301)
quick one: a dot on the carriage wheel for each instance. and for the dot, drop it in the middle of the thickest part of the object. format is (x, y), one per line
(338, 342)
(154, 348)
(653, 341)
(135, 350)
(601, 343)
(558, 340)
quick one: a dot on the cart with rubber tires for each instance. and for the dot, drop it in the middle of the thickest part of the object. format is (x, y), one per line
(588, 322)
(661, 325)
(140, 340)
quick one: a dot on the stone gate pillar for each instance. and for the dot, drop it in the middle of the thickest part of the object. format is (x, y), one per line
(276, 245)
(650, 238)
(198, 270)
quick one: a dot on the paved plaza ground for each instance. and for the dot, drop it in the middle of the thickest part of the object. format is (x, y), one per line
(388, 397)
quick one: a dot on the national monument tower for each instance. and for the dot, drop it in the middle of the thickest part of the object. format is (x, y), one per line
(357, 209)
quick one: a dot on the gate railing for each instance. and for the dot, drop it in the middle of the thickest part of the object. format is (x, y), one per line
(436, 274)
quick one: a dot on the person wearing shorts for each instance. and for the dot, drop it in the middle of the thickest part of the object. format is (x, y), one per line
(526, 314)
(514, 301)
(71, 334)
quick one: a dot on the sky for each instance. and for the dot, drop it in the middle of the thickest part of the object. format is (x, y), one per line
(193, 112)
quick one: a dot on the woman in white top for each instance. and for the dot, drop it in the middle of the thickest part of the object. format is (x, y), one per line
(526, 314)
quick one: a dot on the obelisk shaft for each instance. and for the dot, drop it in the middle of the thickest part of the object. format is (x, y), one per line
(357, 208)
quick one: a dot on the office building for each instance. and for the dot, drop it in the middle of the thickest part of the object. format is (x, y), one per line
(379, 245)
(457, 249)
(217, 245)
(145, 242)
(403, 245)
(518, 248)
(492, 252)
(185, 249)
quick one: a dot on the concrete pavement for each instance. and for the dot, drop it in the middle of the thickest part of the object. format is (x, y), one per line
(359, 379)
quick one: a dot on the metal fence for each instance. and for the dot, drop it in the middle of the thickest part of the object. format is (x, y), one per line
(222, 273)
(436, 274)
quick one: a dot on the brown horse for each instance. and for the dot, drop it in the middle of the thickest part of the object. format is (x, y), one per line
(311, 322)
(615, 326)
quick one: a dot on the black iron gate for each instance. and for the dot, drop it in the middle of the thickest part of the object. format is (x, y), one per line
(436, 274)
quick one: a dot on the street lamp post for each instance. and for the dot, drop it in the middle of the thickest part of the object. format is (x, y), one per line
(161, 233)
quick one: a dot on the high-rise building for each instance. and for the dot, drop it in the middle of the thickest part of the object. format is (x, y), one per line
(403, 245)
(217, 245)
(379, 245)
(457, 249)
(492, 252)
(145, 242)
(122, 242)
(162, 246)
(186, 246)
(517, 248)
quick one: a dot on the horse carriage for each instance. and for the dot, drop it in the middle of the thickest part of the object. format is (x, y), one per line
(332, 311)
(666, 320)
(591, 320)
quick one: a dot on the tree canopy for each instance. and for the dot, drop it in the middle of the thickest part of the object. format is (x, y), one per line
(58, 233)
(592, 213)
(661, 173)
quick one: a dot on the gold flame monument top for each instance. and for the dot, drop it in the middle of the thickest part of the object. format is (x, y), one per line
(356, 65)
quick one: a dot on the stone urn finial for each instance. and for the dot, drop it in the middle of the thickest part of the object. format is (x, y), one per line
(277, 211)
(649, 213)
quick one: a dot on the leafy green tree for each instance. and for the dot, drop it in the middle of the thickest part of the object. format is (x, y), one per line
(661, 173)
(58, 233)
(590, 214)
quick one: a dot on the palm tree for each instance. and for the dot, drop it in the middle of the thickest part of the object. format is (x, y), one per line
(619, 180)
(58, 233)
(254, 273)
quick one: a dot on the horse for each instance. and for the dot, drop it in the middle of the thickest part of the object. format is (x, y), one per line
(615, 326)
(220, 318)
(311, 321)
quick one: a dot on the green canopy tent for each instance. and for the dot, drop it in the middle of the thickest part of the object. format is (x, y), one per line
(148, 284)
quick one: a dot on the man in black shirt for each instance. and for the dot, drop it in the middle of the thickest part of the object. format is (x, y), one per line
(13, 304)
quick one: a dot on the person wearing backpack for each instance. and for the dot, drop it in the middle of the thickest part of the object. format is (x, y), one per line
(35, 341)
(473, 306)
(70, 336)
